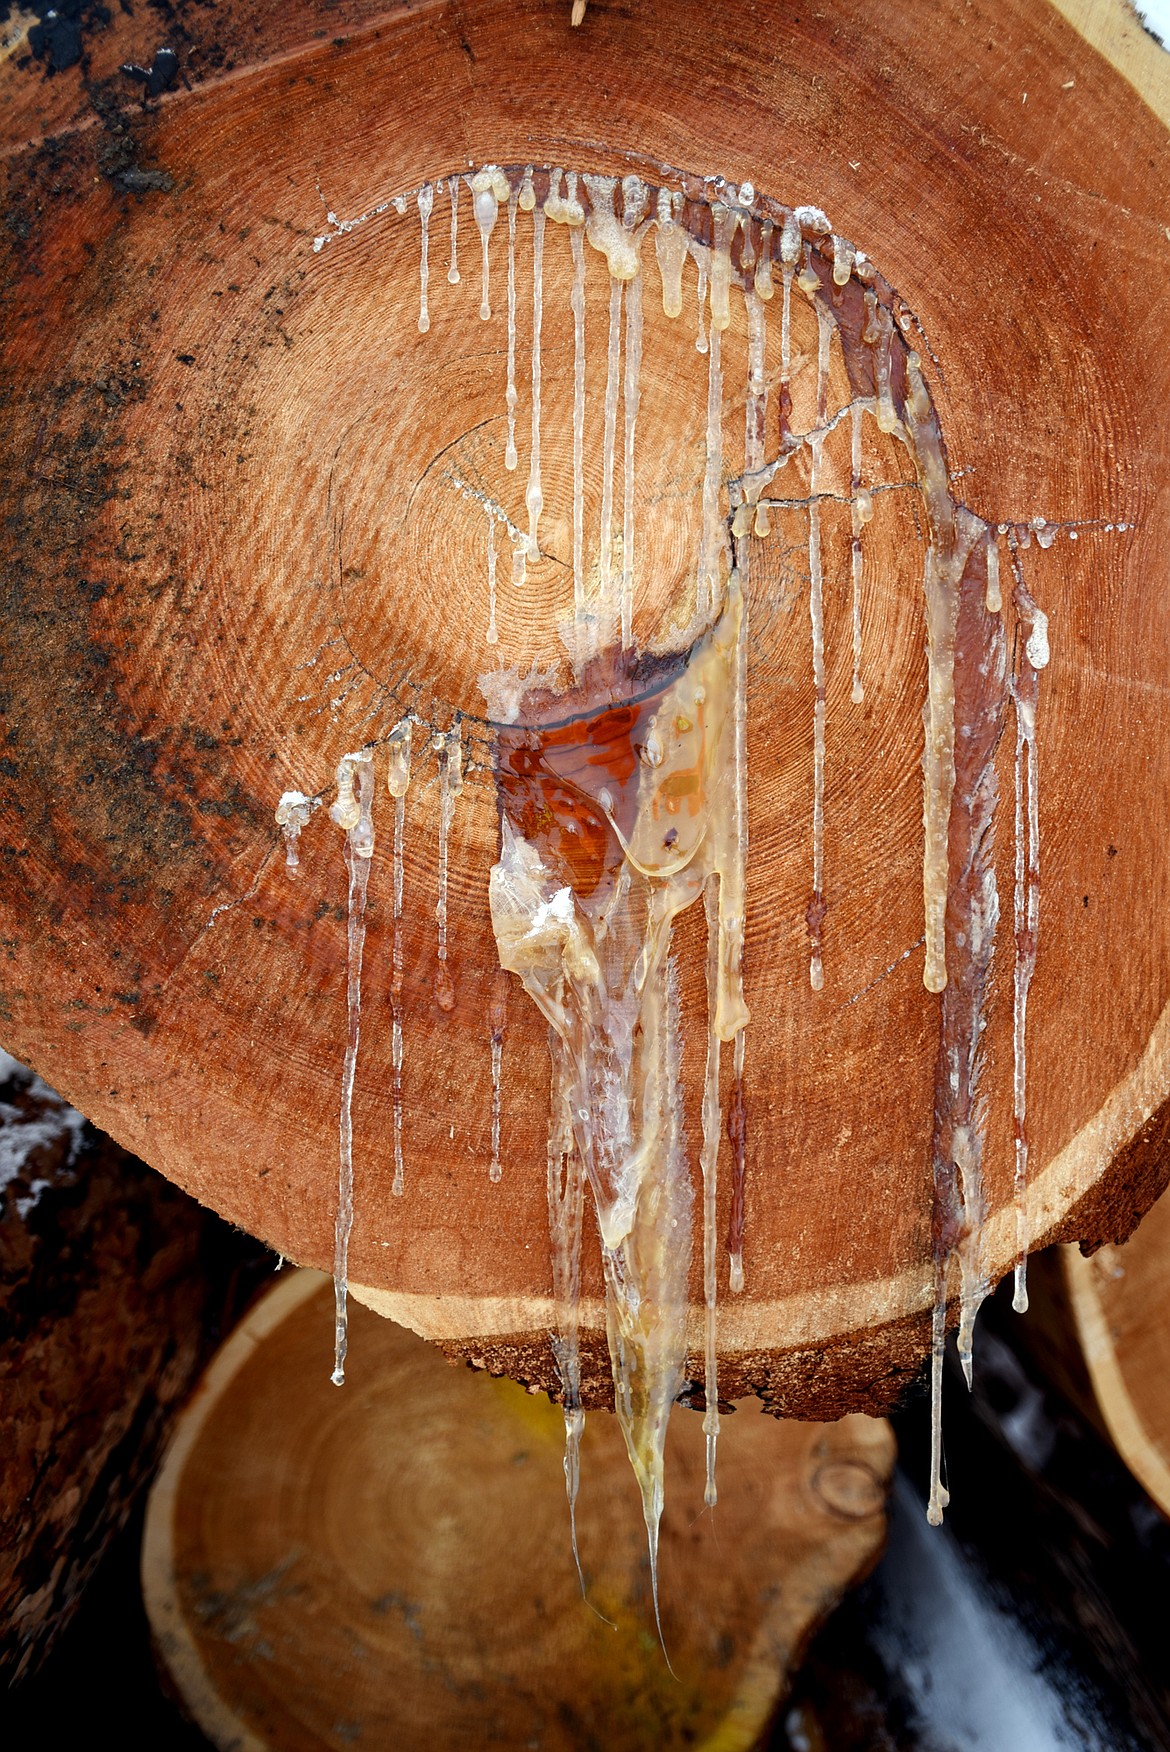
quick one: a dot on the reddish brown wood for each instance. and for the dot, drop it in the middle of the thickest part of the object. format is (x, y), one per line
(213, 440)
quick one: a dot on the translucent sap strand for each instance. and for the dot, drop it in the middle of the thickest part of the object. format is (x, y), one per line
(786, 323)
(534, 497)
(577, 243)
(426, 200)
(449, 748)
(492, 635)
(612, 379)
(566, 1190)
(666, 1376)
(701, 336)
(940, 1496)
(510, 449)
(453, 270)
(755, 423)
(816, 972)
(739, 866)
(713, 527)
(355, 769)
(858, 506)
(398, 780)
(495, 1172)
(1025, 694)
(736, 1219)
(709, 1163)
(630, 404)
(485, 208)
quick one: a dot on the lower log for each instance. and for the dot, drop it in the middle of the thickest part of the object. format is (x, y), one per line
(392, 1564)
(1120, 1310)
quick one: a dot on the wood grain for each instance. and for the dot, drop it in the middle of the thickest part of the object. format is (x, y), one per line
(225, 452)
(1118, 1304)
(392, 1563)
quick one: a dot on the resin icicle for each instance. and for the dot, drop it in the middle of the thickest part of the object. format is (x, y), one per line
(612, 381)
(713, 528)
(709, 1163)
(352, 813)
(670, 249)
(397, 782)
(510, 447)
(701, 335)
(815, 914)
(534, 497)
(566, 1204)
(426, 200)
(630, 408)
(492, 635)
(860, 510)
(448, 746)
(939, 1495)
(453, 269)
(488, 188)
(596, 959)
(1025, 696)
(577, 242)
(497, 1028)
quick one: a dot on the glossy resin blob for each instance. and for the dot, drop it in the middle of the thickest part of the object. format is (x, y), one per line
(621, 767)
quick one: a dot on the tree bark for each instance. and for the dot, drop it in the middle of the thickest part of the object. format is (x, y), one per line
(113, 1286)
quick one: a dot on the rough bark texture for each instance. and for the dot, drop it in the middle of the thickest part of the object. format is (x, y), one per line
(113, 1287)
(220, 456)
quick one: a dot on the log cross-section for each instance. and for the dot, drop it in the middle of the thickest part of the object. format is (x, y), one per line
(250, 513)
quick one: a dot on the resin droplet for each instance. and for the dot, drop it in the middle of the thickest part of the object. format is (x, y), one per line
(670, 249)
(292, 816)
(485, 206)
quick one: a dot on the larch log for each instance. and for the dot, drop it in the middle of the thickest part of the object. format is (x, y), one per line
(390, 1564)
(238, 544)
